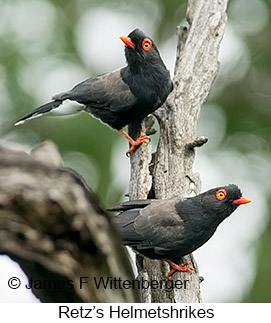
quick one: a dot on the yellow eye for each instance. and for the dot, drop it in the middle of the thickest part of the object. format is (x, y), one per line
(221, 194)
(146, 44)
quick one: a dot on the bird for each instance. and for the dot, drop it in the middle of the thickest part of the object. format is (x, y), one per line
(169, 229)
(120, 97)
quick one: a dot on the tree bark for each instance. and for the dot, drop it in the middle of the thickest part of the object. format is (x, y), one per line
(169, 172)
(53, 226)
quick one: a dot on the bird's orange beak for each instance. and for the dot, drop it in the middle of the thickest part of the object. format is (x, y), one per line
(242, 200)
(127, 41)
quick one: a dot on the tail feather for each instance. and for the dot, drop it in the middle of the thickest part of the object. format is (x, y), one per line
(39, 111)
(128, 205)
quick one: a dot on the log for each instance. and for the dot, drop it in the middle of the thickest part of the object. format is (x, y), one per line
(53, 226)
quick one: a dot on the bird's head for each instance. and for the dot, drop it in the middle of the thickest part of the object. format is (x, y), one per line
(223, 200)
(140, 48)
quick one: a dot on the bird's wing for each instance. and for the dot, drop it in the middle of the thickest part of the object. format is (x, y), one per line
(159, 223)
(106, 90)
(125, 225)
(153, 227)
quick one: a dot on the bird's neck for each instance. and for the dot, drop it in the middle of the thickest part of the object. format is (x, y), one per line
(145, 76)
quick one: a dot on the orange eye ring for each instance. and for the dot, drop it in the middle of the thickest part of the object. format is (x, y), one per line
(221, 194)
(146, 44)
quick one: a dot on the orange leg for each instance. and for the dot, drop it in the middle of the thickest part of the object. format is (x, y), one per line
(178, 267)
(140, 140)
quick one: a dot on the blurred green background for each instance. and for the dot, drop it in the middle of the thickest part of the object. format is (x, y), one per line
(48, 46)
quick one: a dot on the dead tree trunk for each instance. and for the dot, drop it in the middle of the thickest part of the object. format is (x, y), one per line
(169, 171)
(53, 226)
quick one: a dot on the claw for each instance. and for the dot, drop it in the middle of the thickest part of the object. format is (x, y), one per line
(140, 140)
(178, 267)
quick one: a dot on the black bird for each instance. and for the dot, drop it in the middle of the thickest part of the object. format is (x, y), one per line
(170, 229)
(124, 95)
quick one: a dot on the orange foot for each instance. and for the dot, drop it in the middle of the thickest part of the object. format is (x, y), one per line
(140, 140)
(178, 267)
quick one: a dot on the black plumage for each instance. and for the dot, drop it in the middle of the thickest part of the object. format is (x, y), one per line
(123, 96)
(170, 229)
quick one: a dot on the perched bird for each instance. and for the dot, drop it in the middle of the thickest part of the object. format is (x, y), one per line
(170, 229)
(122, 96)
